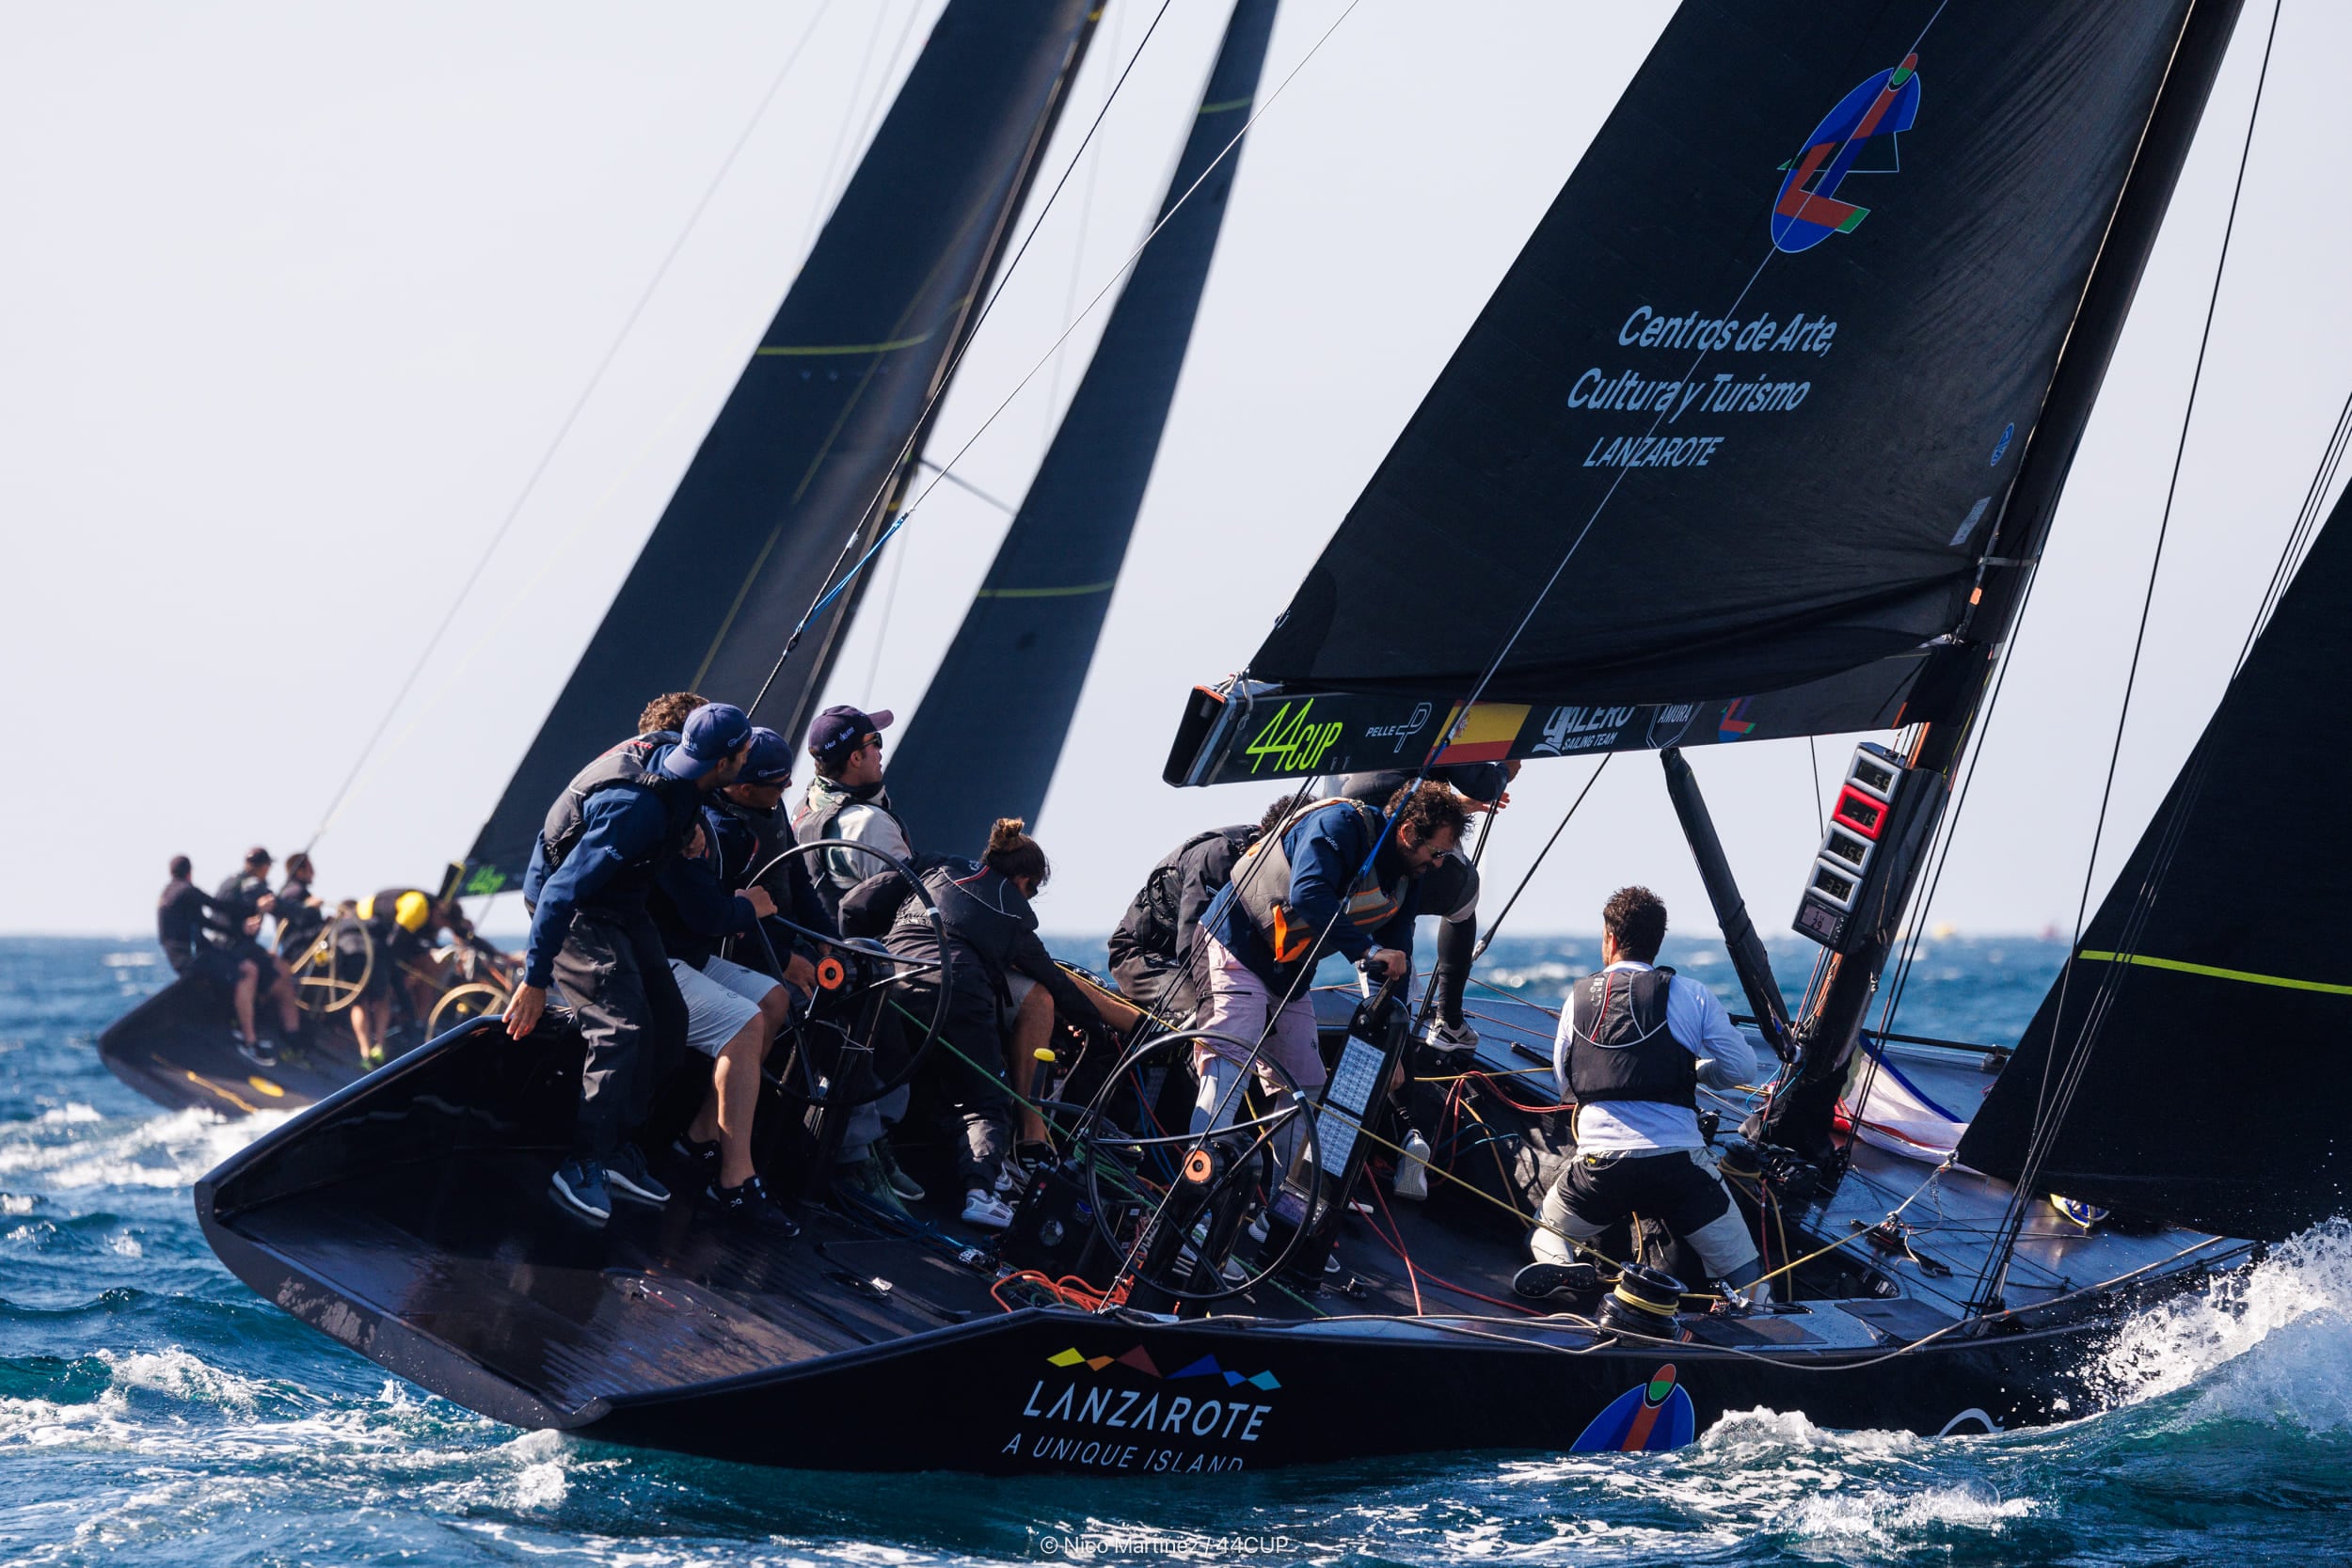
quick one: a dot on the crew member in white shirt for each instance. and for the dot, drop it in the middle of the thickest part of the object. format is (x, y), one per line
(1635, 1042)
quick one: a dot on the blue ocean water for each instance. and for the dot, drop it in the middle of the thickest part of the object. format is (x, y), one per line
(154, 1411)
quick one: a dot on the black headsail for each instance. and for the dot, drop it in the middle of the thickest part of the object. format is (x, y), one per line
(826, 409)
(1767, 379)
(2206, 1015)
(985, 741)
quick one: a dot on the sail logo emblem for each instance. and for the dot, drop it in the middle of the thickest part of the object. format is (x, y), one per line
(1864, 125)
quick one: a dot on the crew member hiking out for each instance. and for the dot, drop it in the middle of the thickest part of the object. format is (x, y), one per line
(1153, 949)
(1334, 878)
(606, 839)
(1635, 1042)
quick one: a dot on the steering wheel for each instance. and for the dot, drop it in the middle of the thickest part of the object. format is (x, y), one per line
(1217, 1167)
(851, 1005)
(319, 985)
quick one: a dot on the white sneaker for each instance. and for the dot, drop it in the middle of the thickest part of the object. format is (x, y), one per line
(986, 1209)
(1452, 1037)
(1412, 1168)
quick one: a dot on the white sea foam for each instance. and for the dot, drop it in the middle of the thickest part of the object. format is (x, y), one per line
(2296, 1305)
(1877, 1515)
(128, 961)
(171, 1149)
(72, 1112)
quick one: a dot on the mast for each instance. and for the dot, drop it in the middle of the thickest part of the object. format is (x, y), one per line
(814, 441)
(985, 741)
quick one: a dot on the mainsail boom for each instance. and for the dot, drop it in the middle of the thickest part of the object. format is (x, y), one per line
(813, 442)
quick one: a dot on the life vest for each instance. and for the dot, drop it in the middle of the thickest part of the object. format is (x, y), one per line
(1261, 884)
(628, 766)
(1149, 924)
(841, 869)
(1619, 1047)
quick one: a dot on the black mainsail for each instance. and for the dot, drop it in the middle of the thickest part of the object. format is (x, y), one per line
(985, 741)
(2191, 1063)
(815, 440)
(1764, 387)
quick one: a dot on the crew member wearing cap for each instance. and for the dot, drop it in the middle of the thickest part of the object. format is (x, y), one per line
(240, 902)
(186, 922)
(847, 800)
(754, 832)
(606, 839)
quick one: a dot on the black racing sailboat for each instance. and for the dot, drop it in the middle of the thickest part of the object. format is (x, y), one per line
(985, 741)
(1884, 351)
(814, 444)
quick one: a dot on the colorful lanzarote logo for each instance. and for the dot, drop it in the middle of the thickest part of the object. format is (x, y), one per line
(1654, 1416)
(1863, 126)
(1139, 1359)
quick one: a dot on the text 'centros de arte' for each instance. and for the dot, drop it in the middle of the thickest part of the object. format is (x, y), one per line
(1668, 398)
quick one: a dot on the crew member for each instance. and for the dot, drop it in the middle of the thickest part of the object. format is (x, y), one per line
(1152, 950)
(607, 837)
(984, 908)
(185, 921)
(753, 832)
(1334, 878)
(733, 1015)
(1635, 1043)
(667, 714)
(1450, 891)
(300, 912)
(847, 801)
(242, 900)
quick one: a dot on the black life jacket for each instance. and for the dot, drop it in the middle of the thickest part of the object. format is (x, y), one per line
(1619, 1047)
(1149, 928)
(628, 766)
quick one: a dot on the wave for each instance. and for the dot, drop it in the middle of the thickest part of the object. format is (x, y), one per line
(168, 1149)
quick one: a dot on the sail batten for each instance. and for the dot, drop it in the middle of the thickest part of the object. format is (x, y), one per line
(813, 445)
(1767, 390)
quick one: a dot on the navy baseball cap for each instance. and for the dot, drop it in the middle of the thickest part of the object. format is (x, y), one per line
(771, 762)
(712, 733)
(839, 730)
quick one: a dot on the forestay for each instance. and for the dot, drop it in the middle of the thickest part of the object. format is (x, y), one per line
(815, 440)
(1762, 387)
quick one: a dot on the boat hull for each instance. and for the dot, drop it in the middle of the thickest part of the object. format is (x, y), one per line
(179, 1049)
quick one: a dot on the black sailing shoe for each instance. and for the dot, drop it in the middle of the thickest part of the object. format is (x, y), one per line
(751, 1204)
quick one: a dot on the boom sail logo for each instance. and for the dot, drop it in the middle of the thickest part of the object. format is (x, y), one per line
(1863, 124)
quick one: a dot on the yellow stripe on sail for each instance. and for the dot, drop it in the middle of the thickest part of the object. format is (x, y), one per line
(819, 350)
(1227, 106)
(1070, 593)
(2248, 976)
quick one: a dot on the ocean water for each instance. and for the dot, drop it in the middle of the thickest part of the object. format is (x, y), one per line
(154, 1411)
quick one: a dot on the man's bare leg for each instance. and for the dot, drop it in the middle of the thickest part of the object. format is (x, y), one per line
(734, 1096)
(1032, 1031)
(247, 977)
(282, 989)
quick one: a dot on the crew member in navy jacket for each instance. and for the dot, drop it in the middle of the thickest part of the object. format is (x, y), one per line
(1315, 886)
(606, 841)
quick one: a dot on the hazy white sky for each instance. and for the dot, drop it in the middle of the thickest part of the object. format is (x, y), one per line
(299, 297)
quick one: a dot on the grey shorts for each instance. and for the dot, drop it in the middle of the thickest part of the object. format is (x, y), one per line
(721, 998)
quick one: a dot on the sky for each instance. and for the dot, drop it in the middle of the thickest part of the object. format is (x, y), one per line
(315, 311)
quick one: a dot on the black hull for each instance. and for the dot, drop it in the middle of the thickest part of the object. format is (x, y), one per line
(446, 1264)
(179, 1049)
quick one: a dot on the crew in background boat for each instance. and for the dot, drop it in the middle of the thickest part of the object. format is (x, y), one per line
(847, 800)
(607, 837)
(242, 900)
(1336, 878)
(186, 919)
(733, 1016)
(1450, 891)
(299, 911)
(1151, 952)
(1634, 1044)
(984, 908)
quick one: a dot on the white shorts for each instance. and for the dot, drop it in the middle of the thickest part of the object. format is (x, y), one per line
(721, 998)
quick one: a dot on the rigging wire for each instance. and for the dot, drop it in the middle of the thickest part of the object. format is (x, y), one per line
(1486, 938)
(564, 430)
(838, 579)
(2050, 1111)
